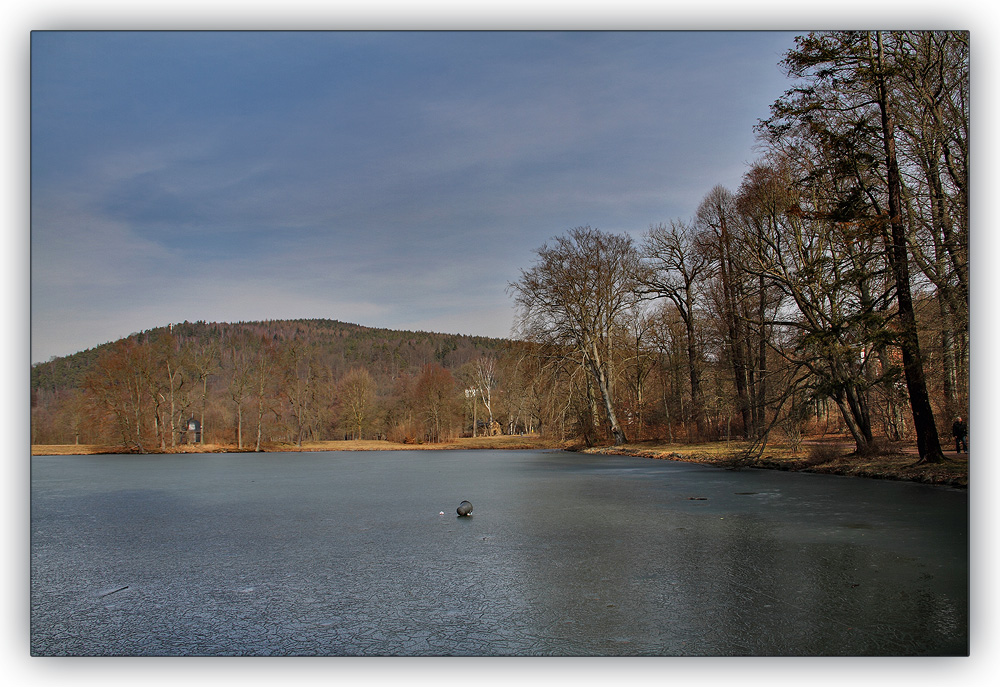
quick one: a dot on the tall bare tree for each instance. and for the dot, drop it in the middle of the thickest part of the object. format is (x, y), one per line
(434, 398)
(485, 378)
(299, 386)
(573, 298)
(357, 394)
(263, 363)
(721, 237)
(168, 384)
(675, 269)
(240, 387)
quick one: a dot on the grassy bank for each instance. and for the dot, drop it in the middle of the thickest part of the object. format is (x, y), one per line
(833, 456)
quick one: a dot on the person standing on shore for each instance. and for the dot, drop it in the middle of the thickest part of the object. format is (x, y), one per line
(960, 431)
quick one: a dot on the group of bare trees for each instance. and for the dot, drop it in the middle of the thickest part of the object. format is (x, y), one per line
(836, 274)
(146, 389)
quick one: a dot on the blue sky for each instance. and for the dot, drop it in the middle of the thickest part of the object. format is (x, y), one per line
(392, 179)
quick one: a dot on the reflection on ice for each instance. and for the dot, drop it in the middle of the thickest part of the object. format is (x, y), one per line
(347, 554)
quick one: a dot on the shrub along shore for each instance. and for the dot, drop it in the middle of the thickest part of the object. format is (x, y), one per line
(828, 455)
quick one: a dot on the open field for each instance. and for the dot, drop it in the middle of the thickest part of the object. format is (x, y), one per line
(831, 455)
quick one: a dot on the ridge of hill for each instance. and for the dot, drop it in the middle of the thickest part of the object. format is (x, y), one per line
(341, 344)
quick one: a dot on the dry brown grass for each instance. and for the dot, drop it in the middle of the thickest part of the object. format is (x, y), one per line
(829, 456)
(714, 452)
(70, 449)
(467, 443)
(96, 449)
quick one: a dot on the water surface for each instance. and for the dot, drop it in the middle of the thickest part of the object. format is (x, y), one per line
(346, 553)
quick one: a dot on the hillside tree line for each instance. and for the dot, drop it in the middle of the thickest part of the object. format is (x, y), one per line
(250, 384)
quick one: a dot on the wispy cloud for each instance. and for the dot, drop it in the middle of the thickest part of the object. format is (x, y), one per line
(394, 179)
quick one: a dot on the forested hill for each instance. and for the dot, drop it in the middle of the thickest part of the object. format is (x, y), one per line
(340, 345)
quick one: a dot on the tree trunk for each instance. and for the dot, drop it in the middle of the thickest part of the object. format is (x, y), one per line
(928, 443)
(239, 427)
(694, 372)
(592, 418)
(204, 401)
(862, 443)
(860, 413)
(761, 395)
(950, 378)
(737, 355)
(260, 421)
(603, 386)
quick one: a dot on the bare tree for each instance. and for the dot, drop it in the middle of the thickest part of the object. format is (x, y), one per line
(669, 336)
(169, 386)
(721, 236)
(434, 395)
(636, 358)
(486, 381)
(357, 394)
(240, 387)
(205, 363)
(299, 386)
(676, 269)
(573, 298)
(263, 363)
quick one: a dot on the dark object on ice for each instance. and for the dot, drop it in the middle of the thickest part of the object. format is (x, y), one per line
(464, 508)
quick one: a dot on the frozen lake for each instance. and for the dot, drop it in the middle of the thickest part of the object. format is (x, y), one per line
(345, 553)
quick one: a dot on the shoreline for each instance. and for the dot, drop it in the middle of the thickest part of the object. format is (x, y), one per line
(900, 465)
(830, 457)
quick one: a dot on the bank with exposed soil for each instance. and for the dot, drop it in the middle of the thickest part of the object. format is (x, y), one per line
(902, 464)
